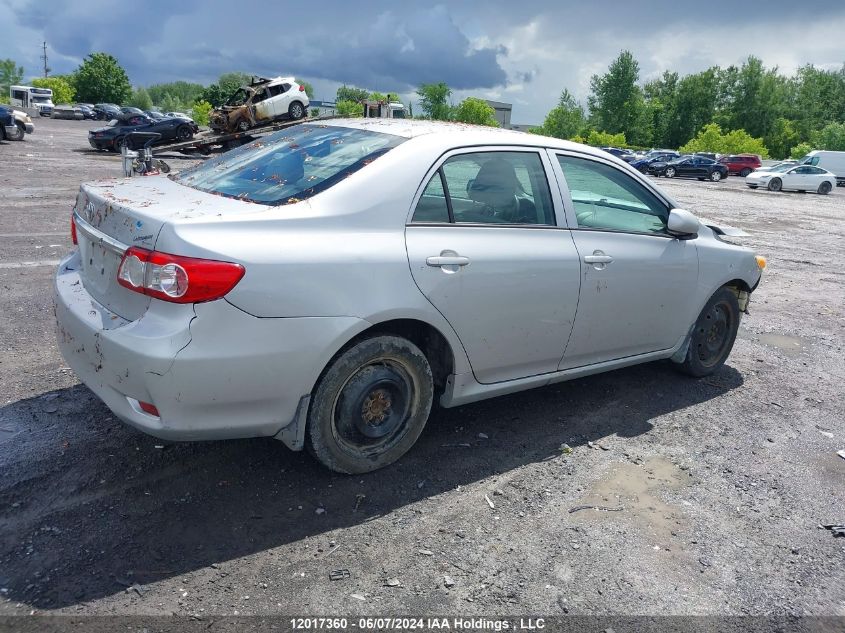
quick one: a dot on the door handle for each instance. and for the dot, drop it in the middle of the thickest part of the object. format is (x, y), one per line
(598, 259)
(447, 260)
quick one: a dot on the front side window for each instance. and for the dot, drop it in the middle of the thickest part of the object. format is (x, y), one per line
(290, 165)
(491, 188)
(609, 199)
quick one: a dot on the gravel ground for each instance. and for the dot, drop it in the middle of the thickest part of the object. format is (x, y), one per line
(715, 487)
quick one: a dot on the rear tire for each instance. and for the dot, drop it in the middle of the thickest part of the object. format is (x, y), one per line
(713, 335)
(745, 171)
(825, 188)
(118, 144)
(715, 176)
(243, 125)
(775, 184)
(184, 133)
(669, 172)
(370, 405)
(296, 110)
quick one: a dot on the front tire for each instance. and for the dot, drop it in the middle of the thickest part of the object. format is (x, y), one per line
(670, 172)
(21, 132)
(713, 335)
(715, 176)
(825, 188)
(775, 184)
(370, 405)
(745, 172)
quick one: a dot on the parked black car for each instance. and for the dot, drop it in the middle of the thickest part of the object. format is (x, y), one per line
(625, 154)
(113, 137)
(691, 167)
(131, 110)
(106, 111)
(644, 164)
(87, 110)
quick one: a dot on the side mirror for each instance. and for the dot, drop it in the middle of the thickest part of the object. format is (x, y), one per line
(682, 223)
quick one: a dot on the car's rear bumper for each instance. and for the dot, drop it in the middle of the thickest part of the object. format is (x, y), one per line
(211, 370)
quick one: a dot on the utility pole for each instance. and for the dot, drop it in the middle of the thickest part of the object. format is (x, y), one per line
(44, 57)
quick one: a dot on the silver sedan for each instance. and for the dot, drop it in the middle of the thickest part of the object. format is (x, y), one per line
(324, 285)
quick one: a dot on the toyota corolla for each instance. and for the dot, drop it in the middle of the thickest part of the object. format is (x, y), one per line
(326, 284)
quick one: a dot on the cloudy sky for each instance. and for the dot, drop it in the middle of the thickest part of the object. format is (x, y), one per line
(523, 52)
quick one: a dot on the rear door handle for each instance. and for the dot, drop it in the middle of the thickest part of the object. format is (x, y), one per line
(447, 260)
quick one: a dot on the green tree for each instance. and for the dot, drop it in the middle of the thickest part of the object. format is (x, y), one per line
(434, 101)
(692, 108)
(604, 139)
(393, 97)
(377, 96)
(565, 120)
(140, 99)
(831, 137)
(349, 108)
(712, 139)
(63, 91)
(781, 138)
(801, 150)
(184, 93)
(10, 74)
(100, 78)
(819, 99)
(617, 104)
(751, 97)
(309, 89)
(477, 111)
(201, 111)
(230, 82)
(351, 93)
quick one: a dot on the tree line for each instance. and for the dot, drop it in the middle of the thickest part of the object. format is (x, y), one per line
(739, 108)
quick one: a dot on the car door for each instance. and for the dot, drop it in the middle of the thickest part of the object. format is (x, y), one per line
(801, 178)
(262, 104)
(280, 99)
(638, 283)
(486, 250)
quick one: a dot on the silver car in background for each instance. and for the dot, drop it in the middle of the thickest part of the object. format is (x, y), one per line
(325, 284)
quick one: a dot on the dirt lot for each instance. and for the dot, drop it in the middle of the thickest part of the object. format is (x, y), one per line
(721, 482)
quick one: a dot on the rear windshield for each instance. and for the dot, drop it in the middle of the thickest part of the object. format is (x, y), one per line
(290, 165)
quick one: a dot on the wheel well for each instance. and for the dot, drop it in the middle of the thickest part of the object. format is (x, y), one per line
(742, 291)
(428, 338)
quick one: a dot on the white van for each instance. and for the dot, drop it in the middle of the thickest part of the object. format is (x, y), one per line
(832, 161)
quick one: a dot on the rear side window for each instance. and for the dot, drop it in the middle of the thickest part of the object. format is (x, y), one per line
(290, 165)
(488, 188)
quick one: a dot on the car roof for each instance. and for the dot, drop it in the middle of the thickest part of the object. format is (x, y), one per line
(460, 134)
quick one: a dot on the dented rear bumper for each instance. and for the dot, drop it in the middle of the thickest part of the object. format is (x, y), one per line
(212, 370)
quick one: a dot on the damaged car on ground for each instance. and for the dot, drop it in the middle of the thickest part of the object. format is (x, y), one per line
(328, 284)
(262, 101)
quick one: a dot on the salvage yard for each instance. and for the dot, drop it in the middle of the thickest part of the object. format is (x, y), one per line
(639, 491)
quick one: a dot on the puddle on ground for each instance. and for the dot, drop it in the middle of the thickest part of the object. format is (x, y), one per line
(634, 488)
(789, 345)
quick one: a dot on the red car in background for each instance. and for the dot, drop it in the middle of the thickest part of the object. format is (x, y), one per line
(742, 164)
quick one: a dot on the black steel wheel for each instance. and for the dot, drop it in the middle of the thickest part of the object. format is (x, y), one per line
(118, 143)
(370, 405)
(713, 335)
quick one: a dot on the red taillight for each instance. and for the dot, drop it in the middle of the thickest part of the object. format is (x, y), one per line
(177, 279)
(73, 229)
(146, 407)
(302, 89)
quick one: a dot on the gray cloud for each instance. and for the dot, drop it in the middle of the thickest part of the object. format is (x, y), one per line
(522, 52)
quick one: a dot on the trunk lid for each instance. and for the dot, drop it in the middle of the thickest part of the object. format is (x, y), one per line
(131, 212)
